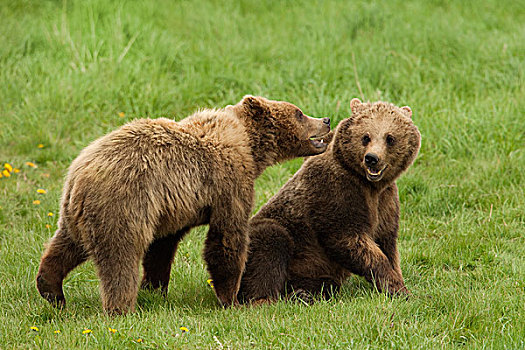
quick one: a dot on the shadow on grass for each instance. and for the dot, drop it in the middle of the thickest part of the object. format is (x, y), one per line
(194, 300)
(86, 306)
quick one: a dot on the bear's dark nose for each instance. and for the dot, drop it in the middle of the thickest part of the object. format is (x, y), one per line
(371, 159)
(326, 121)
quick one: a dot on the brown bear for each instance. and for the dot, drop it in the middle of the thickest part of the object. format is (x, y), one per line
(338, 215)
(133, 194)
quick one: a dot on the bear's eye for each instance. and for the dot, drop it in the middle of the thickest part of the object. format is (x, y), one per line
(390, 140)
(366, 140)
(299, 114)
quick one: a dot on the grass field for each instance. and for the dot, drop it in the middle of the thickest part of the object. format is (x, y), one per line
(72, 71)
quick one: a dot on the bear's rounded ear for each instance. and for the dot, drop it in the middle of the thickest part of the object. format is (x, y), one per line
(407, 110)
(252, 101)
(354, 104)
(256, 104)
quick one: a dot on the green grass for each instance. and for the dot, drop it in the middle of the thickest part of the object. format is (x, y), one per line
(67, 69)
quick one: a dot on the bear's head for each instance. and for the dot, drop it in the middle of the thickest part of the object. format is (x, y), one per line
(378, 142)
(279, 130)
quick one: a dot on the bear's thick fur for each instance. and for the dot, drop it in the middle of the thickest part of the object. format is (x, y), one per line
(338, 214)
(133, 194)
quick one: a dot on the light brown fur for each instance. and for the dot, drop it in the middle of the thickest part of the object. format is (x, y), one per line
(133, 194)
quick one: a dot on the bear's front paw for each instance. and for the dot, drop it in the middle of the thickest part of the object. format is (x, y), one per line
(399, 290)
(261, 301)
(227, 300)
(52, 293)
(303, 296)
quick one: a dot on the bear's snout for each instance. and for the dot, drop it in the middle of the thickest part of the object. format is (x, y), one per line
(371, 159)
(372, 167)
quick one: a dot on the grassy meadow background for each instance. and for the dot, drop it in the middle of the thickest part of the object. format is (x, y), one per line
(72, 71)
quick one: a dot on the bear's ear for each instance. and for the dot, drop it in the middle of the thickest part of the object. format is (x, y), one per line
(254, 103)
(407, 110)
(354, 104)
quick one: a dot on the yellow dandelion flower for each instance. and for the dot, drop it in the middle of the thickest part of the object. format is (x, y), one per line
(48, 226)
(8, 167)
(1, 176)
(16, 170)
(121, 114)
(6, 173)
(57, 331)
(210, 282)
(40, 145)
(86, 331)
(112, 330)
(36, 202)
(139, 340)
(41, 191)
(50, 214)
(45, 175)
(34, 328)
(32, 165)
(184, 329)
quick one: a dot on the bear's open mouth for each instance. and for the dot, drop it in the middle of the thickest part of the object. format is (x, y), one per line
(318, 141)
(373, 175)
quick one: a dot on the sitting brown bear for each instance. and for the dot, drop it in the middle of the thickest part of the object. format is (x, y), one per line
(133, 194)
(338, 214)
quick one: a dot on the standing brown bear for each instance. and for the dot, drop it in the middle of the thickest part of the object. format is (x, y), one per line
(339, 214)
(133, 194)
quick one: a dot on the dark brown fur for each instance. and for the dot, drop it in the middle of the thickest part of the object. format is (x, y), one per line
(337, 215)
(133, 194)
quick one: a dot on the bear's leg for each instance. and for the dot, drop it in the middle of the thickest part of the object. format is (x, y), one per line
(266, 270)
(386, 235)
(307, 289)
(225, 255)
(226, 249)
(388, 246)
(374, 265)
(61, 256)
(157, 261)
(118, 270)
(361, 255)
